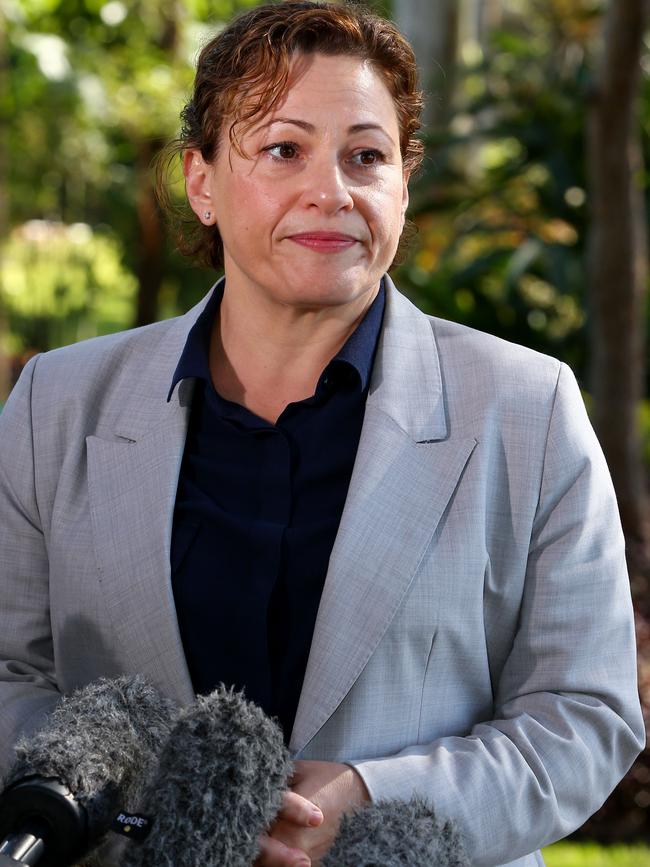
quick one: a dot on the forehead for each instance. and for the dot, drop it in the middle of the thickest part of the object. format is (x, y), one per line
(324, 89)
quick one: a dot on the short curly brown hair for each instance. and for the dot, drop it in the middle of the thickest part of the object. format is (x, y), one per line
(243, 72)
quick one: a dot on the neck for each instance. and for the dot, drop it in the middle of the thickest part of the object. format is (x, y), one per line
(265, 355)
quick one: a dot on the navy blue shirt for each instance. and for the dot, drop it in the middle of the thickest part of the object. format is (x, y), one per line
(257, 510)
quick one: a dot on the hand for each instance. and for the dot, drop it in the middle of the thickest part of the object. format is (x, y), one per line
(297, 838)
(296, 812)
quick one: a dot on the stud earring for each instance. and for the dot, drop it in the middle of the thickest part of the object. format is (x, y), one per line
(207, 215)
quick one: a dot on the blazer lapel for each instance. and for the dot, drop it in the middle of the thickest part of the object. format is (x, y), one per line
(406, 469)
(132, 478)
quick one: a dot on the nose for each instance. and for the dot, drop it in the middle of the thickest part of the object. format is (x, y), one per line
(326, 187)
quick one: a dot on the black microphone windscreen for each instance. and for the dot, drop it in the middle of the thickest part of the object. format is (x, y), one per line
(396, 834)
(99, 741)
(218, 785)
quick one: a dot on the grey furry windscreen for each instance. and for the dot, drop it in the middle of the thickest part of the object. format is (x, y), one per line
(218, 785)
(100, 742)
(396, 834)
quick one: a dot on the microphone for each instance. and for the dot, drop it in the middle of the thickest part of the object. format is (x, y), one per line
(396, 834)
(218, 785)
(71, 777)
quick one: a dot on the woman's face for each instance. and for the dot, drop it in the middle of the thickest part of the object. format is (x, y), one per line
(325, 164)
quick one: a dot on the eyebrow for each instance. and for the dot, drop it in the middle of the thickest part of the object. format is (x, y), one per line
(310, 128)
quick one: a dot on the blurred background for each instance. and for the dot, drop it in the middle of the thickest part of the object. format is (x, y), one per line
(531, 212)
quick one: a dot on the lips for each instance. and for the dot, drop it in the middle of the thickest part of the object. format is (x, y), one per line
(326, 242)
(323, 236)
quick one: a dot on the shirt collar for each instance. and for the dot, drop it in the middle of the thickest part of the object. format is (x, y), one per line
(194, 362)
(357, 353)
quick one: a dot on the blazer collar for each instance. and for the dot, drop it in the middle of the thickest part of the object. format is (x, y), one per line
(406, 382)
(406, 470)
(150, 401)
(133, 479)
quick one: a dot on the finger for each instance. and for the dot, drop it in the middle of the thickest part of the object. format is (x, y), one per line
(274, 853)
(299, 810)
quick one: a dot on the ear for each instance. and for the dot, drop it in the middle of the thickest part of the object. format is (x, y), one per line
(405, 195)
(198, 176)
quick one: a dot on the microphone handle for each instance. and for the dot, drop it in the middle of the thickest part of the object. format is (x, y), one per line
(44, 810)
(26, 846)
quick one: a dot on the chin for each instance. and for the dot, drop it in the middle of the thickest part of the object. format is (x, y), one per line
(329, 284)
(328, 295)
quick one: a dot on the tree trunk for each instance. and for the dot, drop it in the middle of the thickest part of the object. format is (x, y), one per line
(618, 260)
(151, 234)
(480, 18)
(151, 228)
(431, 26)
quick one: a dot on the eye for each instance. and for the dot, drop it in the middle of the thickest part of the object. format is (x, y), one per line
(375, 155)
(288, 149)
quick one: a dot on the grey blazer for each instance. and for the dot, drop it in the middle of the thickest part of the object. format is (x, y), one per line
(474, 640)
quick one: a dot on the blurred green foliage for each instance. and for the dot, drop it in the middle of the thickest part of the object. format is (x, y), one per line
(592, 855)
(89, 86)
(502, 205)
(63, 283)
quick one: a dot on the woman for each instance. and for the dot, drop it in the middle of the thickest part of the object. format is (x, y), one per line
(397, 533)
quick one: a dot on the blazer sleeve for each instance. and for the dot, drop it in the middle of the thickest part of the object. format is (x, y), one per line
(28, 687)
(567, 722)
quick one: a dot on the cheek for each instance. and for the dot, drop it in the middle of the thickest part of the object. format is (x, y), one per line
(384, 209)
(257, 204)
